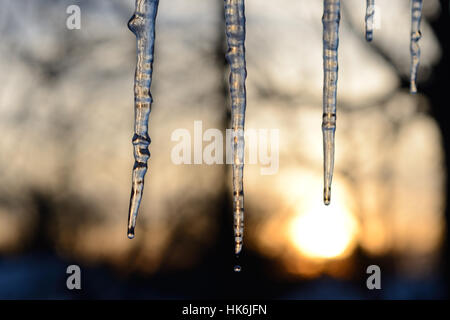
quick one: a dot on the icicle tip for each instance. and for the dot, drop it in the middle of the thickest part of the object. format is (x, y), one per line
(237, 249)
(130, 233)
(327, 196)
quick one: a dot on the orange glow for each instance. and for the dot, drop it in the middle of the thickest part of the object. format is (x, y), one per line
(324, 231)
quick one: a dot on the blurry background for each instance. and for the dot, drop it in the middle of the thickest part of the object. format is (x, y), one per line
(66, 117)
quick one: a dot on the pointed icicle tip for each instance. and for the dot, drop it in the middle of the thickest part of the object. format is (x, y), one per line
(413, 88)
(327, 196)
(237, 249)
(130, 233)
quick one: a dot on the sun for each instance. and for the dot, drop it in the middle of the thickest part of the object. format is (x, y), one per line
(324, 232)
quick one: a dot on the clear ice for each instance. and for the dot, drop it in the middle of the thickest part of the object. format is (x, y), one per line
(142, 24)
(416, 16)
(330, 20)
(235, 33)
(370, 13)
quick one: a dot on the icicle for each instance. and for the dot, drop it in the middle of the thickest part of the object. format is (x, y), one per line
(330, 20)
(416, 15)
(142, 24)
(235, 31)
(370, 12)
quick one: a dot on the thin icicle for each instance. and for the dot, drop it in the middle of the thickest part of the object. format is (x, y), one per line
(142, 24)
(330, 20)
(370, 13)
(235, 31)
(416, 16)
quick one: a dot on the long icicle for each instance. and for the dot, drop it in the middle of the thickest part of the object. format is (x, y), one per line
(142, 24)
(416, 16)
(330, 20)
(370, 13)
(235, 32)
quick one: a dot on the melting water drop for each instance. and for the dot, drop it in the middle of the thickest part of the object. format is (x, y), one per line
(416, 16)
(142, 24)
(370, 13)
(235, 32)
(331, 18)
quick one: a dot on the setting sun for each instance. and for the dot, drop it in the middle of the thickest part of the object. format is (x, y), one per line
(324, 231)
